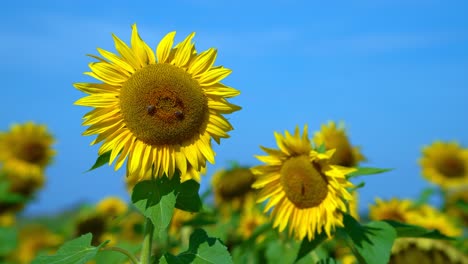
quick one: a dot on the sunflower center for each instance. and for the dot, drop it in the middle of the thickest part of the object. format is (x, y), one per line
(452, 167)
(32, 152)
(162, 104)
(302, 181)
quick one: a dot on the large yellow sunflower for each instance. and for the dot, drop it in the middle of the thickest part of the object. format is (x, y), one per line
(158, 108)
(445, 164)
(26, 149)
(307, 192)
(335, 137)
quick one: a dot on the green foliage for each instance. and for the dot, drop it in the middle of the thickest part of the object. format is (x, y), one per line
(156, 200)
(361, 171)
(187, 196)
(280, 250)
(202, 249)
(406, 230)
(101, 161)
(307, 246)
(8, 240)
(370, 243)
(76, 251)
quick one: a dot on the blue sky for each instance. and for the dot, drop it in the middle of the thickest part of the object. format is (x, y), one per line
(394, 71)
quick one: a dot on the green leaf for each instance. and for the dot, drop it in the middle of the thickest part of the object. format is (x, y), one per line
(8, 240)
(282, 251)
(76, 251)
(188, 198)
(202, 250)
(307, 246)
(326, 261)
(371, 243)
(113, 257)
(366, 171)
(406, 230)
(156, 200)
(101, 160)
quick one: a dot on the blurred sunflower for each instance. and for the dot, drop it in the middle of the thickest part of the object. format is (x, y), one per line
(7, 219)
(232, 186)
(92, 223)
(335, 137)
(160, 109)
(33, 239)
(424, 250)
(251, 217)
(307, 192)
(26, 149)
(456, 204)
(178, 229)
(394, 209)
(111, 207)
(445, 164)
(431, 218)
(132, 228)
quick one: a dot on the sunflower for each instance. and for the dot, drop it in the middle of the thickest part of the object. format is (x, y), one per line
(306, 191)
(158, 108)
(111, 207)
(232, 186)
(92, 223)
(445, 164)
(394, 209)
(251, 217)
(26, 149)
(33, 239)
(7, 219)
(455, 202)
(132, 228)
(431, 218)
(335, 137)
(424, 250)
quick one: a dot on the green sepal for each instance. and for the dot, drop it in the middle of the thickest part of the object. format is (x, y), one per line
(101, 160)
(76, 251)
(202, 249)
(321, 149)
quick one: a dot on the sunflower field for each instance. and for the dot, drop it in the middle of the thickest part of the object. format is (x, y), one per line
(156, 112)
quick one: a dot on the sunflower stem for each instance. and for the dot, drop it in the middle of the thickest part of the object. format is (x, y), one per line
(147, 243)
(132, 258)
